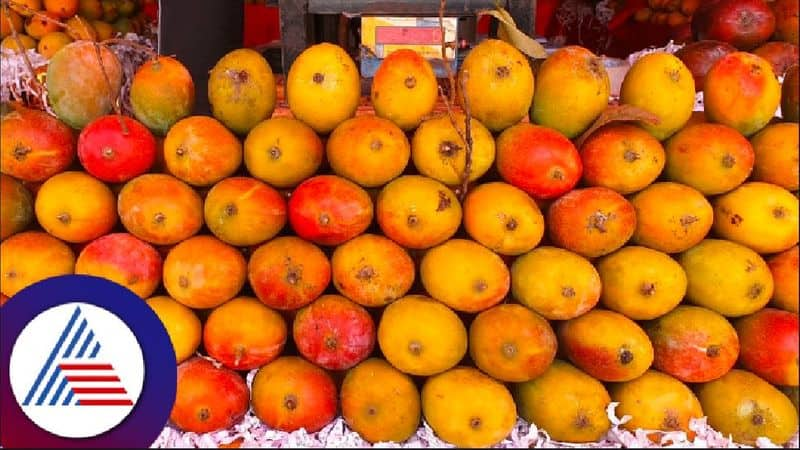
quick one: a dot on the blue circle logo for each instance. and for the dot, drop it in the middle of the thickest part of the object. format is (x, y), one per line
(85, 364)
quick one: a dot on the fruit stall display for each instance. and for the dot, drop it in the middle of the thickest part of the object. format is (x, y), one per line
(505, 260)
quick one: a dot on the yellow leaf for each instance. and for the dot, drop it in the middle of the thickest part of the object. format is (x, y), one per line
(508, 32)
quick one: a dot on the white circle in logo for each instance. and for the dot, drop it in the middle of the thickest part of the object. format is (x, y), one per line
(76, 370)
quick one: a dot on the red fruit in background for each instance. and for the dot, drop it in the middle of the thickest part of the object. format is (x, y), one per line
(538, 160)
(208, 398)
(787, 13)
(291, 393)
(781, 55)
(329, 210)
(745, 24)
(116, 149)
(700, 56)
(123, 259)
(334, 332)
(34, 146)
(769, 345)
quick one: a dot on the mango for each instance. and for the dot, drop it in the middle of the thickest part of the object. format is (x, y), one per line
(497, 82)
(379, 402)
(38, 26)
(30, 257)
(622, 157)
(241, 90)
(75, 207)
(288, 272)
(123, 259)
(742, 92)
(182, 324)
(291, 393)
(476, 277)
(511, 343)
(17, 211)
(503, 218)
(641, 283)
(656, 401)
(368, 150)
(334, 333)
(566, 403)
(769, 345)
(726, 277)
(160, 209)
(786, 278)
(671, 217)
(244, 211)
(693, 344)
(661, 84)
(420, 336)
(606, 345)
(243, 334)
(790, 94)
(162, 93)
(10, 19)
(592, 221)
(208, 398)
(777, 155)
(323, 87)
(556, 283)
(711, 158)
(52, 42)
(26, 41)
(404, 89)
(439, 152)
(761, 216)
(201, 151)
(747, 407)
(282, 152)
(203, 272)
(417, 212)
(372, 270)
(34, 145)
(480, 419)
(82, 85)
(572, 89)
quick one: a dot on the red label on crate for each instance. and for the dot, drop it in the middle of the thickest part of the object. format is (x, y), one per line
(408, 35)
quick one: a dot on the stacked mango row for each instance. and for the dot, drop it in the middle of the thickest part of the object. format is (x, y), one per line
(465, 268)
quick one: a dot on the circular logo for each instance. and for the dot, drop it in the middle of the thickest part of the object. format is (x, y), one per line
(76, 370)
(85, 364)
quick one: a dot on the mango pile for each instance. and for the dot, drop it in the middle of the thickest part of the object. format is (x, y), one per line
(505, 258)
(49, 25)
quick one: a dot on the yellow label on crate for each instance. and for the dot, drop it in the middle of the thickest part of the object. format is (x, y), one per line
(384, 35)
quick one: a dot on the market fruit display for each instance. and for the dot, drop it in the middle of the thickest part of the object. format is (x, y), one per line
(394, 270)
(746, 24)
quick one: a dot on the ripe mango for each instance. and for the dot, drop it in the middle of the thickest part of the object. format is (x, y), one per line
(421, 336)
(497, 82)
(379, 402)
(641, 283)
(17, 212)
(761, 216)
(661, 84)
(726, 277)
(606, 345)
(283, 152)
(241, 90)
(777, 151)
(693, 344)
(556, 283)
(323, 87)
(511, 343)
(404, 89)
(786, 277)
(76, 86)
(162, 93)
(746, 407)
(656, 401)
(482, 418)
(476, 278)
(439, 152)
(566, 402)
(572, 89)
